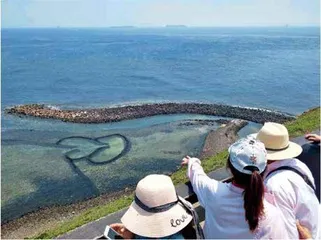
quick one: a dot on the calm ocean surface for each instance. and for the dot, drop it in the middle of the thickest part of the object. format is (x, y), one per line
(274, 68)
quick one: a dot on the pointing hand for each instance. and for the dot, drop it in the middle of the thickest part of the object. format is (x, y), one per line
(185, 160)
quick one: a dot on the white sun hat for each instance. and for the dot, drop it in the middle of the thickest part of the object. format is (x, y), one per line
(247, 155)
(156, 212)
(275, 137)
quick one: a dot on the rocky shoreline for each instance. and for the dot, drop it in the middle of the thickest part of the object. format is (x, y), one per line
(218, 140)
(115, 114)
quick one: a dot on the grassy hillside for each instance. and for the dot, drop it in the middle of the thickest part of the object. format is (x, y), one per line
(306, 122)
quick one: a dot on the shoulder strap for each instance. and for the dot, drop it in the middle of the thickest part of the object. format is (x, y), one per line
(305, 177)
(190, 208)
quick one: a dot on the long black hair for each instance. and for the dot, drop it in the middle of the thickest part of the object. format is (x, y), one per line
(253, 193)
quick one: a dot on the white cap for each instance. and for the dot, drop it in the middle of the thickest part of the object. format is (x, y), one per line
(247, 155)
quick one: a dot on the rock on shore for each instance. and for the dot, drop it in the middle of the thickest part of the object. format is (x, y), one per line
(220, 139)
(115, 114)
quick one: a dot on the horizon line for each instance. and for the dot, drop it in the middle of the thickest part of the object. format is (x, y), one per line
(169, 26)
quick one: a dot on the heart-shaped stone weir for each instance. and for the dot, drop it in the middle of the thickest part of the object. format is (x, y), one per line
(100, 150)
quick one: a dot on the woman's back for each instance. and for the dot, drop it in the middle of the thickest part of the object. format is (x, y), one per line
(225, 215)
(241, 209)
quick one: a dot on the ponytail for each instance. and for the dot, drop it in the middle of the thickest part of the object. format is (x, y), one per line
(253, 194)
(253, 200)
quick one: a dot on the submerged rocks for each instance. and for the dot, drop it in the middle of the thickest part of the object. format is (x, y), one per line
(115, 114)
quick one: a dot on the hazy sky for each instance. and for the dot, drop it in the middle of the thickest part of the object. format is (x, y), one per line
(101, 13)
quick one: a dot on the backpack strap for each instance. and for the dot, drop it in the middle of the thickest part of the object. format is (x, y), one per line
(305, 177)
(188, 206)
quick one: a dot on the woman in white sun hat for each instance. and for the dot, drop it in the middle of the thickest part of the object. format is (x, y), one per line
(240, 209)
(289, 180)
(157, 212)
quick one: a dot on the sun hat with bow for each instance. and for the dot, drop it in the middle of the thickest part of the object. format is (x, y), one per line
(156, 211)
(275, 137)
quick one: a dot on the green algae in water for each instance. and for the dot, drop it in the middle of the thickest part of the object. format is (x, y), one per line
(36, 172)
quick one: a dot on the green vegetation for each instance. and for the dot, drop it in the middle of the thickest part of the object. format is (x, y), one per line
(88, 216)
(306, 122)
(209, 164)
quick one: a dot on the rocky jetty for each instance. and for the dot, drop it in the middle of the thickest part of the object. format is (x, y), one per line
(203, 122)
(220, 139)
(115, 114)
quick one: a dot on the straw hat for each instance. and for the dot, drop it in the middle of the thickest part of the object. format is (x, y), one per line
(156, 212)
(275, 137)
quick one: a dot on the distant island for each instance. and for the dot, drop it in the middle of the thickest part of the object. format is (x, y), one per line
(122, 27)
(176, 26)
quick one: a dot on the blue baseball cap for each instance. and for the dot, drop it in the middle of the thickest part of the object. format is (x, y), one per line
(248, 155)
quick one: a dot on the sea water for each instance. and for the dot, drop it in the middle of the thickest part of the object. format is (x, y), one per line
(273, 68)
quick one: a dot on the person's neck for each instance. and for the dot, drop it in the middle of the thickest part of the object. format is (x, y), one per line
(270, 161)
(237, 185)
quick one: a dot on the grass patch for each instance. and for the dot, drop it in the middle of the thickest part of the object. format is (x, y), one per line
(209, 164)
(88, 216)
(306, 122)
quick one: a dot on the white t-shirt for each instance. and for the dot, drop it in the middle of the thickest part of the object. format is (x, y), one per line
(295, 198)
(224, 211)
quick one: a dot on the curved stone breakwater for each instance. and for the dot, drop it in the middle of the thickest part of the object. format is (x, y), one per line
(115, 114)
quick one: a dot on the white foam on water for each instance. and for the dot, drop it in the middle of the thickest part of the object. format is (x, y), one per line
(53, 107)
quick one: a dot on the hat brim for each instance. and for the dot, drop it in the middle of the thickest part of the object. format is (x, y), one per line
(253, 135)
(156, 225)
(293, 150)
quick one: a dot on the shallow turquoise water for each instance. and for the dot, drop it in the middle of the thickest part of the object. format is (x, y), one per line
(36, 173)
